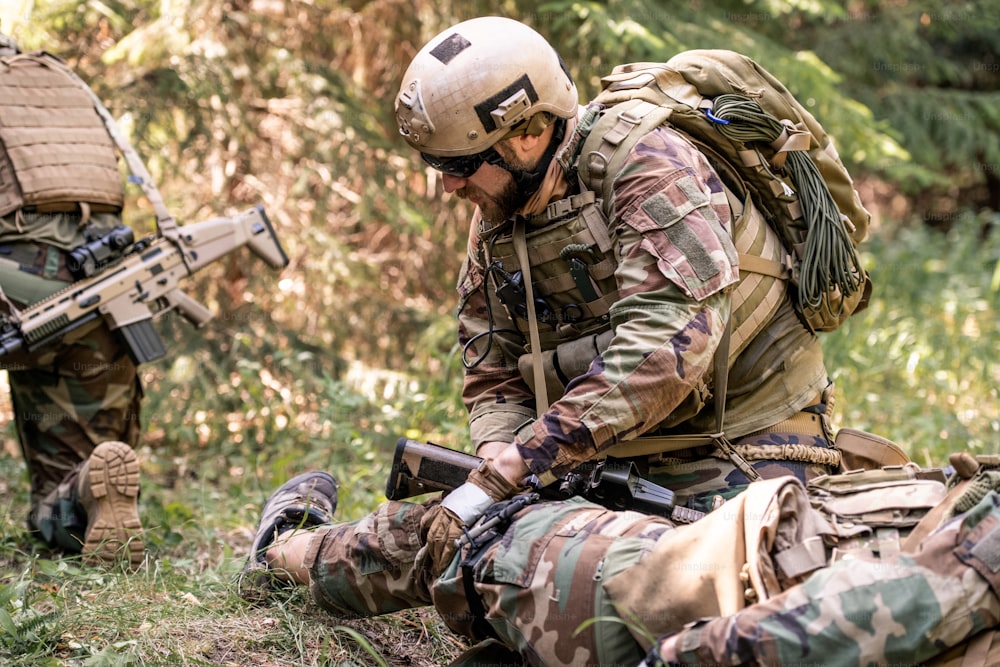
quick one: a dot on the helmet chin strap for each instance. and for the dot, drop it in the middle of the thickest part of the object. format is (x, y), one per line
(528, 182)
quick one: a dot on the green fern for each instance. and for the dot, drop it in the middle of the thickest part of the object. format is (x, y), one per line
(24, 628)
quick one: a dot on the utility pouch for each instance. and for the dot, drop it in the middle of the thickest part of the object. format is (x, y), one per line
(861, 450)
(872, 511)
(564, 363)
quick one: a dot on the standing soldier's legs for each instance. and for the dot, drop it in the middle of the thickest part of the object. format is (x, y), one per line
(68, 401)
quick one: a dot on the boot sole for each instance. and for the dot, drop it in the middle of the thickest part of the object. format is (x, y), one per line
(114, 532)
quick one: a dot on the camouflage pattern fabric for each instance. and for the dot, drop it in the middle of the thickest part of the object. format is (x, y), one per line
(370, 566)
(905, 610)
(541, 588)
(538, 583)
(67, 399)
(541, 583)
(675, 265)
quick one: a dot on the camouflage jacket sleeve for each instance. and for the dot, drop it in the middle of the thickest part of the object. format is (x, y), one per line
(675, 260)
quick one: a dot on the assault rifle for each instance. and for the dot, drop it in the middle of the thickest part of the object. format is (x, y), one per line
(140, 282)
(423, 467)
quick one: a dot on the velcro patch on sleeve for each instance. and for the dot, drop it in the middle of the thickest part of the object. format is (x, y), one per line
(681, 229)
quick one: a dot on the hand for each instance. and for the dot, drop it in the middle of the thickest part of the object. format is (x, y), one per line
(442, 526)
(506, 460)
(440, 529)
(663, 653)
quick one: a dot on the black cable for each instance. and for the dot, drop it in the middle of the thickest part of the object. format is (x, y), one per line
(489, 273)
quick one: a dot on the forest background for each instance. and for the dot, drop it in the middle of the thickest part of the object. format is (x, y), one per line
(288, 104)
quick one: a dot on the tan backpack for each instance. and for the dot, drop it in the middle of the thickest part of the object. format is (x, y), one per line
(764, 144)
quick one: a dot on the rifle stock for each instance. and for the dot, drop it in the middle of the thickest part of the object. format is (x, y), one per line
(143, 285)
(423, 467)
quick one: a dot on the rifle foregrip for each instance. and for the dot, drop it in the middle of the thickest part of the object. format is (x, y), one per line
(423, 467)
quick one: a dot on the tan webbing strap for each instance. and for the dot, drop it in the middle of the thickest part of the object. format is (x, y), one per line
(15, 314)
(720, 370)
(765, 267)
(165, 222)
(657, 444)
(934, 517)
(534, 340)
(808, 424)
(978, 649)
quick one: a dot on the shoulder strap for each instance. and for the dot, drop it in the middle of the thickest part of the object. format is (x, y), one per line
(605, 149)
(521, 249)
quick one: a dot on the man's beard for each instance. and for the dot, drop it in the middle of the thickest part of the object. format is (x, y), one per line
(496, 208)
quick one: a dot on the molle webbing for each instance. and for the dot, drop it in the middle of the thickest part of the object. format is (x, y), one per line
(761, 289)
(55, 149)
(572, 268)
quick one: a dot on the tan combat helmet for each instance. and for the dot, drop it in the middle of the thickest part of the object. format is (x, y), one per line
(477, 81)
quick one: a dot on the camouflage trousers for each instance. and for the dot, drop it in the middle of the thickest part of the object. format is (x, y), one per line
(67, 399)
(546, 589)
(536, 585)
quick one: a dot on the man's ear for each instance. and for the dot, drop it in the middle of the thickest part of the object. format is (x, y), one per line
(529, 147)
(527, 143)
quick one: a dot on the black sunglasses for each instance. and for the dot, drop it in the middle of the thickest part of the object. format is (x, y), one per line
(463, 166)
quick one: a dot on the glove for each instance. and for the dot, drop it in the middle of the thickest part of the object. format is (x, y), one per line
(662, 654)
(442, 526)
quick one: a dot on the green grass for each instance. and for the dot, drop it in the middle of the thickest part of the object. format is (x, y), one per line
(921, 365)
(201, 497)
(223, 430)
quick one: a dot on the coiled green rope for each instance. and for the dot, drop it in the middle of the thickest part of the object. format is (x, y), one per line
(829, 259)
(979, 486)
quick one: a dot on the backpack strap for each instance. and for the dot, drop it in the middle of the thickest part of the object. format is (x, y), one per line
(605, 149)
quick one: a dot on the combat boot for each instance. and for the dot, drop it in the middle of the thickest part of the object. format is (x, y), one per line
(108, 488)
(305, 501)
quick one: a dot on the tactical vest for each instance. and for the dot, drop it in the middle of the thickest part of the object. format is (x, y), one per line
(573, 273)
(54, 149)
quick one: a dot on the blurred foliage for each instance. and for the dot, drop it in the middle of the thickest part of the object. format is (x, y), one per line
(920, 364)
(288, 103)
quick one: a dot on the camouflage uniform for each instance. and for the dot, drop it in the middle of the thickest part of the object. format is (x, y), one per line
(675, 265)
(67, 398)
(58, 177)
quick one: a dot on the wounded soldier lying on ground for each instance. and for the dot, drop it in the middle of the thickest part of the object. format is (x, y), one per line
(890, 566)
